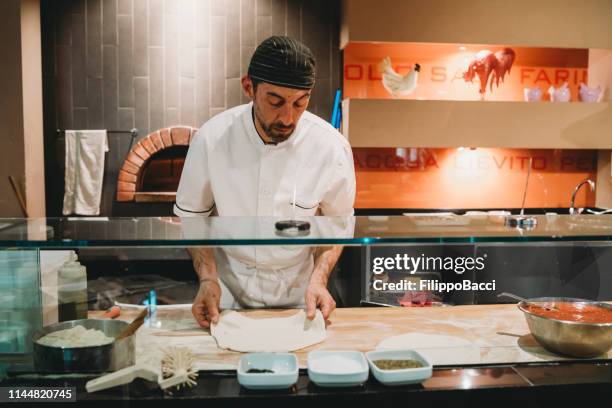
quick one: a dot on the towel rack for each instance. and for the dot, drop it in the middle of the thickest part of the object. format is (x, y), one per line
(133, 132)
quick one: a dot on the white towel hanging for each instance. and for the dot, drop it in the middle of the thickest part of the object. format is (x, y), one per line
(85, 152)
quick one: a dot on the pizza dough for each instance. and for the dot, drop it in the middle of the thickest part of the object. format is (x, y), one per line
(437, 349)
(237, 332)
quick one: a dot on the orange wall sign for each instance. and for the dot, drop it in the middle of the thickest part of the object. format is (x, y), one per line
(470, 178)
(466, 178)
(443, 65)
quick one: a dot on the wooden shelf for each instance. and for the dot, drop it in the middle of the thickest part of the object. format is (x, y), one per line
(541, 23)
(431, 123)
(155, 197)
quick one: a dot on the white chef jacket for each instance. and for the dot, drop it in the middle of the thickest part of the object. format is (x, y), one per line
(230, 171)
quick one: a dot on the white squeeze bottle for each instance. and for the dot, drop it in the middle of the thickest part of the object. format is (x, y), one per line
(72, 291)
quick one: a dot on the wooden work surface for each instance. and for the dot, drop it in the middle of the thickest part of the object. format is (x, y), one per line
(478, 334)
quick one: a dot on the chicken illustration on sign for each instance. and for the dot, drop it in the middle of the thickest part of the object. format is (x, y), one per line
(396, 84)
(488, 64)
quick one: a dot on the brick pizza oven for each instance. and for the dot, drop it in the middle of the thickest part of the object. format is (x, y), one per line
(152, 169)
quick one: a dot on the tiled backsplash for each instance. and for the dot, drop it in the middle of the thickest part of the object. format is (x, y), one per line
(149, 64)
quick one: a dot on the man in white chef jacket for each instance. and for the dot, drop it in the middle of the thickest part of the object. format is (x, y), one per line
(252, 160)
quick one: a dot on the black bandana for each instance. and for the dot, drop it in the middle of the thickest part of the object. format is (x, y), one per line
(283, 61)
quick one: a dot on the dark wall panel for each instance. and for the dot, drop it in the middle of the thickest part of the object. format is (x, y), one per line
(118, 64)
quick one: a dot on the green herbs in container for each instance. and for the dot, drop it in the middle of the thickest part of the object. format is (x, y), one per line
(397, 364)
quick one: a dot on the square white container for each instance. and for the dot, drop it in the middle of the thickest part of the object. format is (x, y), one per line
(399, 377)
(284, 365)
(335, 376)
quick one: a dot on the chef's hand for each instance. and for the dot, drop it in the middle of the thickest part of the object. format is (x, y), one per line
(317, 296)
(205, 306)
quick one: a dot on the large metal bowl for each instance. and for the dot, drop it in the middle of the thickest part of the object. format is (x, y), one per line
(573, 339)
(95, 359)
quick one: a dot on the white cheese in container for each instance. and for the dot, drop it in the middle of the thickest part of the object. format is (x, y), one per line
(77, 336)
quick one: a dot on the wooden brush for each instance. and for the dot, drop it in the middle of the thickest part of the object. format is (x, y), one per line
(136, 323)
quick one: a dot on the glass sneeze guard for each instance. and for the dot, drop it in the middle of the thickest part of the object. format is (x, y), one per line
(358, 230)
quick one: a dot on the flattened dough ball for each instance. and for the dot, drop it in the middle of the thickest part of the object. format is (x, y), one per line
(237, 332)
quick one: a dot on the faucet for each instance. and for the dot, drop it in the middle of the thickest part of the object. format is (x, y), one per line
(591, 184)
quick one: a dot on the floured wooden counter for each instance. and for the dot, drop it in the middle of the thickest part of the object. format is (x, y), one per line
(457, 335)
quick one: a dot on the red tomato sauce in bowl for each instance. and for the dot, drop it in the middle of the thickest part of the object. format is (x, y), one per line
(573, 312)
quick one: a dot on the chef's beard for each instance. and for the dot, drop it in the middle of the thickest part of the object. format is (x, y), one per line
(276, 131)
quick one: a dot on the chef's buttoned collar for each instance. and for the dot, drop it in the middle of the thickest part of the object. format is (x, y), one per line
(249, 124)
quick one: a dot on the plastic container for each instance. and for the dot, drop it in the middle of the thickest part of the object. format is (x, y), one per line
(283, 365)
(72, 292)
(403, 376)
(337, 368)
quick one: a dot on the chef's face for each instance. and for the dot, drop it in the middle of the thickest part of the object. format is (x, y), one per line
(277, 109)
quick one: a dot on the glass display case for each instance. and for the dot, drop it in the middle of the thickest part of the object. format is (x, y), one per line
(425, 261)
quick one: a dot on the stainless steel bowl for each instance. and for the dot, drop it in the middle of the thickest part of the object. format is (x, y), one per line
(94, 359)
(573, 339)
